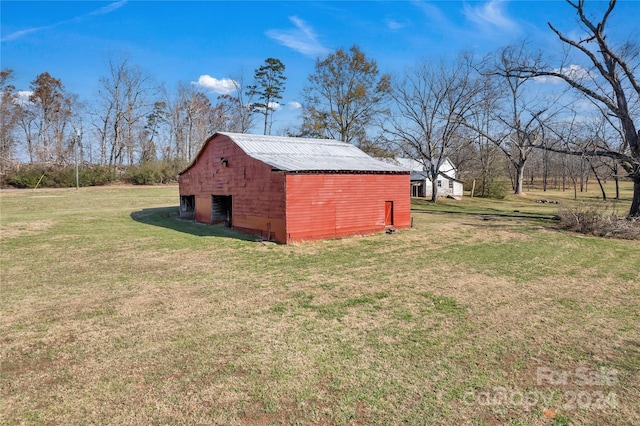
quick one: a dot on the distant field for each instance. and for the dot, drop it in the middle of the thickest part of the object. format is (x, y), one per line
(114, 312)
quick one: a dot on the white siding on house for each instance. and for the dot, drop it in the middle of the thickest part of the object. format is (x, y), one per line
(449, 184)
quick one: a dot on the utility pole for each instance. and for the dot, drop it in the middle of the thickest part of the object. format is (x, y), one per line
(76, 140)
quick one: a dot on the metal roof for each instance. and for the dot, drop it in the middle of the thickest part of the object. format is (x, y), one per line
(415, 165)
(407, 164)
(415, 175)
(301, 154)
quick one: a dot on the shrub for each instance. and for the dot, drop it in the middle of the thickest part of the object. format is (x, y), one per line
(60, 177)
(28, 177)
(147, 173)
(96, 176)
(153, 172)
(594, 220)
(496, 188)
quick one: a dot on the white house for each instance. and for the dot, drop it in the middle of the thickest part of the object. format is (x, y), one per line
(421, 186)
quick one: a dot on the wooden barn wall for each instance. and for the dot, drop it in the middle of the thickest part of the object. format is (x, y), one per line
(337, 205)
(258, 199)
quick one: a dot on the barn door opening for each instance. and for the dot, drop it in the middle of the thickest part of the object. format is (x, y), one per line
(388, 213)
(187, 206)
(221, 209)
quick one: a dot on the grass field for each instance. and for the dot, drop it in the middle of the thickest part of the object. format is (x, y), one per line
(484, 313)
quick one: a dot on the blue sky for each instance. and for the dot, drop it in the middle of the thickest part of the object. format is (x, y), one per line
(210, 41)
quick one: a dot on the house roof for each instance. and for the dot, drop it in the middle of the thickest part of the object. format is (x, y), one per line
(418, 166)
(408, 163)
(301, 154)
(416, 175)
(418, 170)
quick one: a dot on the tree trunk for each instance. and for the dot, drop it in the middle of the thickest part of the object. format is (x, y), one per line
(266, 120)
(517, 187)
(484, 185)
(434, 191)
(595, 172)
(434, 183)
(30, 148)
(635, 204)
(604, 194)
(545, 169)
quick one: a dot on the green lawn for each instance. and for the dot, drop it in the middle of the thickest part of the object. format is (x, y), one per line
(114, 312)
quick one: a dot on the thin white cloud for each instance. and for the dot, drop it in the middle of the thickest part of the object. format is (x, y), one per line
(102, 11)
(225, 86)
(491, 16)
(575, 72)
(273, 106)
(547, 79)
(393, 24)
(295, 105)
(23, 97)
(108, 8)
(17, 34)
(430, 11)
(302, 38)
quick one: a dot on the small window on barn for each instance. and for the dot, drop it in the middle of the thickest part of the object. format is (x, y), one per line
(451, 184)
(439, 183)
(187, 206)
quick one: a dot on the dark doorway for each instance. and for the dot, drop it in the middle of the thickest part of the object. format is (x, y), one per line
(221, 209)
(187, 206)
(417, 189)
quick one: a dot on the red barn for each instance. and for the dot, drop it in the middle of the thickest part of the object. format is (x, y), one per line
(293, 189)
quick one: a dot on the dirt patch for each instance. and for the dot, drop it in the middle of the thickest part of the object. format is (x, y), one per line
(19, 229)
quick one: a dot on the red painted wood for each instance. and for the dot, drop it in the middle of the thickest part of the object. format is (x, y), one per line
(337, 205)
(257, 192)
(388, 213)
(293, 207)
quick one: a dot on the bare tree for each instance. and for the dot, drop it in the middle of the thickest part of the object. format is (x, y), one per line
(193, 119)
(127, 98)
(575, 167)
(432, 103)
(490, 168)
(609, 81)
(519, 115)
(25, 121)
(9, 118)
(237, 108)
(598, 131)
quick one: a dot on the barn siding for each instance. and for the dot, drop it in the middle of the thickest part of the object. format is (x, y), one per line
(336, 205)
(258, 204)
(287, 206)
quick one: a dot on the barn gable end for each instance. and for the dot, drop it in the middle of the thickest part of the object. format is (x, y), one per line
(222, 169)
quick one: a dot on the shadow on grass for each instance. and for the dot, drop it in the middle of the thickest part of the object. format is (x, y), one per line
(168, 217)
(489, 213)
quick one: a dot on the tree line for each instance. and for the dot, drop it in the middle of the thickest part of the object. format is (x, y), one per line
(494, 116)
(133, 120)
